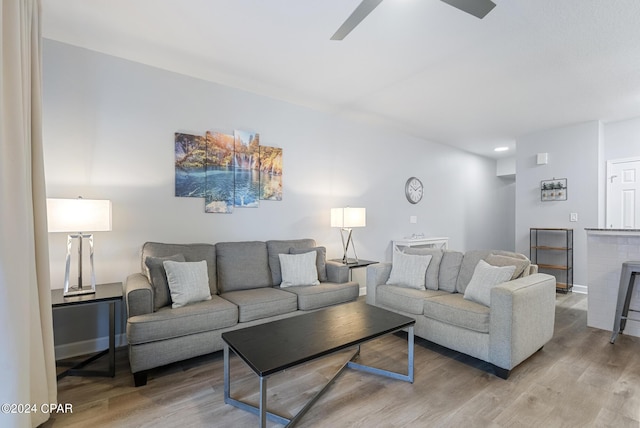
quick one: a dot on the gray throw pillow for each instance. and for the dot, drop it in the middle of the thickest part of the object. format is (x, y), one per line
(321, 260)
(188, 282)
(484, 278)
(409, 270)
(298, 269)
(158, 278)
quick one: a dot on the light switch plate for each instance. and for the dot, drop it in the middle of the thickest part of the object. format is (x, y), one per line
(413, 219)
(574, 217)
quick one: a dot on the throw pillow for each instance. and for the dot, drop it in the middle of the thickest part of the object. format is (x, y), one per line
(188, 282)
(521, 265)
(321, 260)
(409, 270)
(158, 278)
(298, 269)
(484, 278)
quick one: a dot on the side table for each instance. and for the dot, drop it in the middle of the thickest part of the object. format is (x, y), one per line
(105, 293)
(355, 265)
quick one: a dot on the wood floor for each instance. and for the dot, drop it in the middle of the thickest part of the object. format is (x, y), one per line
(577, 380)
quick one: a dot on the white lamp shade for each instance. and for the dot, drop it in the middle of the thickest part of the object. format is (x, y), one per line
(79, 215)
(348, 217)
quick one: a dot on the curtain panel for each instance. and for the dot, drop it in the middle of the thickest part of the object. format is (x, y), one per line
(27, 361)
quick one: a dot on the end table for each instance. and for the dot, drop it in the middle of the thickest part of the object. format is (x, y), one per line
(105, 293)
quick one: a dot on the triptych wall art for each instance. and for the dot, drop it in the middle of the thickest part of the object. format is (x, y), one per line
(226, 170)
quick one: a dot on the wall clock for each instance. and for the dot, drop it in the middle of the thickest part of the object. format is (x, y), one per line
(413, 190)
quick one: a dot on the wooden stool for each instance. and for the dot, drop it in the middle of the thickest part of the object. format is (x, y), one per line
(625, 291)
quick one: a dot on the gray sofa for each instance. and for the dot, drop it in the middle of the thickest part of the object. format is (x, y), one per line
(516, 323)
(244, 279)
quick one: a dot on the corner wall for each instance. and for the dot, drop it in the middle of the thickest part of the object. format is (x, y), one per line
(573, 154)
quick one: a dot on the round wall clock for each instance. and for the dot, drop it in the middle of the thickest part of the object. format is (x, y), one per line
(413, 190)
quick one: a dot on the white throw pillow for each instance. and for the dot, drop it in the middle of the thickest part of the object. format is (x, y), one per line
(409, 270)
(484, 278)
(298, 269)
(188, 282)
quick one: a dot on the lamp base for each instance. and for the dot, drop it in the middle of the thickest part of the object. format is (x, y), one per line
(76, 291)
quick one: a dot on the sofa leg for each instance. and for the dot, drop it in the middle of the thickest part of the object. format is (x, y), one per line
(500, 372)
(140, 378)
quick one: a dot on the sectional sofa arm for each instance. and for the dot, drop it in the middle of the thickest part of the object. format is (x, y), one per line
(138, 295)
(521, 319)
(337, 272)
(377, 274)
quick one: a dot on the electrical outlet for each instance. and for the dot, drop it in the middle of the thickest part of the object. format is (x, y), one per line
(574, 217)
(413, 219)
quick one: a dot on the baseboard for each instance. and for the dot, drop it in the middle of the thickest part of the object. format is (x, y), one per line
(84, 347)
(580, 289)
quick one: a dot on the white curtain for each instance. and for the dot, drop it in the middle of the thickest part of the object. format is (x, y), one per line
(27, 361)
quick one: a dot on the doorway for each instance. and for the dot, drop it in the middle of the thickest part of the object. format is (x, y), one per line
(623, 194)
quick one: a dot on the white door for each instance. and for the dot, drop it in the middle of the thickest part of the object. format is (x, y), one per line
(623, 194)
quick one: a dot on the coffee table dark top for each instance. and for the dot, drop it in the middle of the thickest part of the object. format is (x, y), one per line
(274, 346)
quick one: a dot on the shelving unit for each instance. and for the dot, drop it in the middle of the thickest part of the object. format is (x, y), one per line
(552, 250)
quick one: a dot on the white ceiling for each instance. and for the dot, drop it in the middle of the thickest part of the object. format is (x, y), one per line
(419, 66)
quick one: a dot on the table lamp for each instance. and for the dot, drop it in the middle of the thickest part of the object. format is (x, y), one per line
(346, 219)
(77, 217)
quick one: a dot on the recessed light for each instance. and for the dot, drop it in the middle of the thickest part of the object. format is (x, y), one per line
(501, 149)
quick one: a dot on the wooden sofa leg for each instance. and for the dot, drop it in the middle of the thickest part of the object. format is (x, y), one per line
(140, 378)
(501, 373)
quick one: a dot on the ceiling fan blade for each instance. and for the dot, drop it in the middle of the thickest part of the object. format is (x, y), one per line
(355, 18)
(477, 8)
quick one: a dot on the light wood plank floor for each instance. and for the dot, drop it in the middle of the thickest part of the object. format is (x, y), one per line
(577, 380)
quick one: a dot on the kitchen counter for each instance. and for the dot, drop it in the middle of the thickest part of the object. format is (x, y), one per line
(607, 249)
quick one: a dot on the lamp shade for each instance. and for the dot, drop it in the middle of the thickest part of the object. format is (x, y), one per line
(79, 215)
(348, 217)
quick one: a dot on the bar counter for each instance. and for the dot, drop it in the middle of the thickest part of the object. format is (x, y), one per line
(607, 249)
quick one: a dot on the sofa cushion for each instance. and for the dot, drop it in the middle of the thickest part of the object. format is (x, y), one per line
(321, 260)
(260, 303)
(453, 309)
(188, 282)
(409, 270)
(409, 300)
(242, 266)
(191, 253)
(158, 278)
(324, 294)
(275, 247)
(470, 261)
(521, 265)
(299, 269)
(433, 271)
(484, 278)
(449, 269)
(168, 323)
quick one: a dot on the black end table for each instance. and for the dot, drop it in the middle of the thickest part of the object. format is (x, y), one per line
(105, 293)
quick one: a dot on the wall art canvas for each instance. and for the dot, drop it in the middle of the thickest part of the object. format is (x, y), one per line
(246, 163)
(190, 165)
(220, 177)
(270, 173)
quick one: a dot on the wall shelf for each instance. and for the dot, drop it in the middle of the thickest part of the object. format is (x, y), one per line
(552, 250)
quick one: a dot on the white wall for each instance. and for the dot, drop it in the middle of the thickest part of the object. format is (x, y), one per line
(622, 139)
(108, 133)
(573, 154)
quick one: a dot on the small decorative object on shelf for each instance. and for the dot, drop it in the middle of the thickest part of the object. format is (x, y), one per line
(552, 251)
(553, 190)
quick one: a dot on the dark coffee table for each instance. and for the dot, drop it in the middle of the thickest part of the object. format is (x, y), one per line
(278, 345)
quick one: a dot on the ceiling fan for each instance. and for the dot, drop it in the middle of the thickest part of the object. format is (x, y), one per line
(477, 8)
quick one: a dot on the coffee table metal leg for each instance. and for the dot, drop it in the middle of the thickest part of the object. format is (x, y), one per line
(263, 401)
(387, 373)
